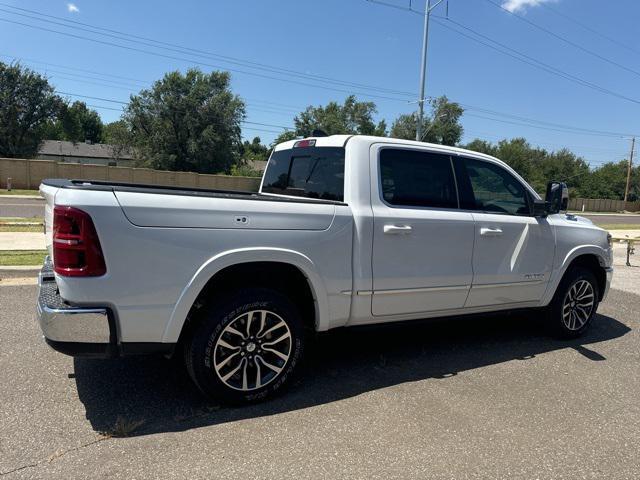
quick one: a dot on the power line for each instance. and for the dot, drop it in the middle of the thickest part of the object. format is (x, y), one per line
(126, 103)
(522, 57)
(543, 123)
(563, 39)
(289, 109)
(274, 107)
(590, 29)
(496, 138)
(144, 83)
(192, 51)
(262, 130)
(172, 57)
(513, 53)
(522, 124)
(40, 62)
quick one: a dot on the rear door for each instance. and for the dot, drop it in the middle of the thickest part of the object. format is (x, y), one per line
(513, 250)
(422, 241)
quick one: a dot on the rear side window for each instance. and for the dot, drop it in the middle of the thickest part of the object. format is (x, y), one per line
(413, 178)
(313, 172)
(495, 189)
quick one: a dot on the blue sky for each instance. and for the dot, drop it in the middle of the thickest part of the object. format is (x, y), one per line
(359, 42)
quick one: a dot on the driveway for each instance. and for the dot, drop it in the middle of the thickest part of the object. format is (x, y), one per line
(482, 397)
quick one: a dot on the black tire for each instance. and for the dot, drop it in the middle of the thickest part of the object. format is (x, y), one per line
(566, 325)
(204, 354)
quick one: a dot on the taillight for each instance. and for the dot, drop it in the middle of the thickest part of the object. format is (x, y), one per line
(76, 248)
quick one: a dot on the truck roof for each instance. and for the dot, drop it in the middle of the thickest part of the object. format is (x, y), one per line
(341, 141)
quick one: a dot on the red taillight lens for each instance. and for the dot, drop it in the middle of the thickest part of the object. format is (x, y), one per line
(76, 248)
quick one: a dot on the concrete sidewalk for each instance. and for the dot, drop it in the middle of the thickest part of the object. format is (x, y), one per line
(22, 241)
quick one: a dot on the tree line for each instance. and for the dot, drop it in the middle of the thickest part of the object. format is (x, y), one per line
(192, 121)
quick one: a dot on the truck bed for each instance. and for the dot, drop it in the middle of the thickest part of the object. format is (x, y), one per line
(100, 185)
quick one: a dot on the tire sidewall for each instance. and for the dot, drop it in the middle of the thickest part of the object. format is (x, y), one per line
(573, 276)
(213, 323)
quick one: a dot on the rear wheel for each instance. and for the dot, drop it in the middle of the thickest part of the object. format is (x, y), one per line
(575, 303)
(246, 349)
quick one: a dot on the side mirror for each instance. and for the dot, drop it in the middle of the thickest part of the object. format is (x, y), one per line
(557, 197)
(540, 208)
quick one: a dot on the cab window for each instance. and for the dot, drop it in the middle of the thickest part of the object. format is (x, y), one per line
(310, 172)
(495, 190)
(413, 178)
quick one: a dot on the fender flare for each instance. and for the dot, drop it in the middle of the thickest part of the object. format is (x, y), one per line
(571, 255)
(246, 255)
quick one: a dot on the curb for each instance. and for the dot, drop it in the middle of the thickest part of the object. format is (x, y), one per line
(32, 197)
(20, 268)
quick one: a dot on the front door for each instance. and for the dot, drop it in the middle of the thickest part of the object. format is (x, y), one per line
(422, 241)
(513, 251)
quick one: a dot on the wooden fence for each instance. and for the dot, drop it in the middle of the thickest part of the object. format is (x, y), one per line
(27, 174)
(601, 205)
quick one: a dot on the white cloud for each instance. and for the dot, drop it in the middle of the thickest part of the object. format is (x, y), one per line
(72, 8)
(521, 5)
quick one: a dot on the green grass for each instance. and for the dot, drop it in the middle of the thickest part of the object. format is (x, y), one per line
(19, 192)
(21, 257)
(620, 226)
(21, 228)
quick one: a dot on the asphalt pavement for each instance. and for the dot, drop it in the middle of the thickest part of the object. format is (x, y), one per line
(482, 397)
(21, 207)
(613, 219)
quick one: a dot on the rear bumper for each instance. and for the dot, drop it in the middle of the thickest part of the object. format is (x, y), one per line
(77, 331)
(82, 331)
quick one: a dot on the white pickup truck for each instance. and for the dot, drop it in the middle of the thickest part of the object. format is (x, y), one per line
(345, 230)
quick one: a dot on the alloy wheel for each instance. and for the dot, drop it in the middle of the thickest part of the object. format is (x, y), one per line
(252, 350)
(578, 305)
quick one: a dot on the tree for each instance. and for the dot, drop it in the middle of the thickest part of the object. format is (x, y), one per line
(118, 135)
(609, 181)
(254, 151)
(537, 166)
(27, 103)
(352, 117)
(81, 124)
(75, 123)
(284, 137)
(187, 122)
(442, 127)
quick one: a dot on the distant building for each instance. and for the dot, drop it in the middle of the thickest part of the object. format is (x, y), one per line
(87, 153)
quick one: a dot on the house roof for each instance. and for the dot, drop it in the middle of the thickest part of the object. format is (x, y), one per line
(80, 149)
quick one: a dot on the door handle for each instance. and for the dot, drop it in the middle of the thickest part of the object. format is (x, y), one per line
(490, 232)
(397, 229)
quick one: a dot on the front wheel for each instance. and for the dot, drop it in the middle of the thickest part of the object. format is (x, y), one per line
(247, 348)
(574, 304)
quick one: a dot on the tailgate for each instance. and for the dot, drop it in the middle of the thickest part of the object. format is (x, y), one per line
(49, 194)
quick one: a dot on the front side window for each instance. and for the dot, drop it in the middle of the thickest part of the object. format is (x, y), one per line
(311, 172)
(495, 189)
(414, 178)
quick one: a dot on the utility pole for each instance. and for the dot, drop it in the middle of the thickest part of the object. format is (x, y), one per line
(626, 189)
(423, 66)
